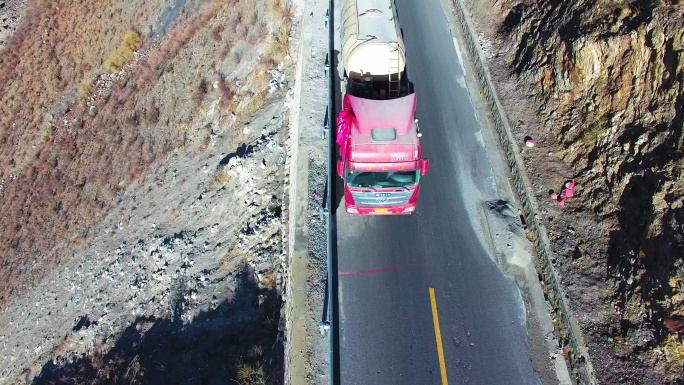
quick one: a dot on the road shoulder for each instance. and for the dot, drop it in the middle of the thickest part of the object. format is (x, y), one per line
(506, 235)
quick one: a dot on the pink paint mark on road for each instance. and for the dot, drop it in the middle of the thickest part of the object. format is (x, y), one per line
(381, 270)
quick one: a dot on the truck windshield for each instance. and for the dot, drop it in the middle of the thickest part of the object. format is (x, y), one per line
(382, 179)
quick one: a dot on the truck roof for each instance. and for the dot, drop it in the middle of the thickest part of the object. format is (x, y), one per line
(384, 131)
(398, 113)
(376, 18)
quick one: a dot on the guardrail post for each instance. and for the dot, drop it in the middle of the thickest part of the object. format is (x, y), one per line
(325, 127)
(323, 213)
(326, 65)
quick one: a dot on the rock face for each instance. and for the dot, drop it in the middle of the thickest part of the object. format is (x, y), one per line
(607, 78)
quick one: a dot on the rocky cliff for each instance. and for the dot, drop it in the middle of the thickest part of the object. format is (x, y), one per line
(604, 81)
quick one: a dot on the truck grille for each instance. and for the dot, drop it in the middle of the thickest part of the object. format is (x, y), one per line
(394, 198)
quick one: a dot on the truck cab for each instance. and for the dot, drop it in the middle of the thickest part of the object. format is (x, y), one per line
(381, 163)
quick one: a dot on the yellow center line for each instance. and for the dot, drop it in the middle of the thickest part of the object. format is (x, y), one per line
(438, 337)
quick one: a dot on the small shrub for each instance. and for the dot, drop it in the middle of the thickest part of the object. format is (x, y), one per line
(47, 135)
(280, 10)
(254, 18)
(223, 53)
(123, 54)
(227, 93)
(256, 352)
(151, 115)
(200, 91)
(217, 33)
(238, 53)
(242, 30)
(232, 23)
(255, 35)
(86, 85)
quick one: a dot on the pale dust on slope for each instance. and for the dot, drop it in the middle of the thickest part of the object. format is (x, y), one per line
(11, 12)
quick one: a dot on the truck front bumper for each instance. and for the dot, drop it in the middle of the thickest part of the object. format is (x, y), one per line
(374, 210)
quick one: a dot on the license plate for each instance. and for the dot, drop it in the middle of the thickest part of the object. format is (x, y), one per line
(383, 195)
(381, 211)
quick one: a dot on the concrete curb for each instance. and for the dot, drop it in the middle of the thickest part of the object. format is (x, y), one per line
(296, 240)
(571, 338)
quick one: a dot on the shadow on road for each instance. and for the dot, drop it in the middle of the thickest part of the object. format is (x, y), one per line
(236, 343)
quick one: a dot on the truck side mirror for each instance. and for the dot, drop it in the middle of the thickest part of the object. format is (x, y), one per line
(424, 166)
(340, 169)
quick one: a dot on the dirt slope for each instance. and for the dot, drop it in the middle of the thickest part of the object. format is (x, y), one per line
(600, 86)
(142, 174)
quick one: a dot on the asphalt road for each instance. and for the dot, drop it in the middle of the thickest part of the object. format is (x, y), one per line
(389, 266)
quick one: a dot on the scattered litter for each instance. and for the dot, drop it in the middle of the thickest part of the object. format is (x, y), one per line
(568, 189)
(529, 142)
(566, 192)
(558, 198)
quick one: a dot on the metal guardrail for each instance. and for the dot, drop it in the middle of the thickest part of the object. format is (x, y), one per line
(331, 205)
(570, 332)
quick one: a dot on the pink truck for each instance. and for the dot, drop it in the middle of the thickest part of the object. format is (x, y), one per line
(377, 132)
(381, 162)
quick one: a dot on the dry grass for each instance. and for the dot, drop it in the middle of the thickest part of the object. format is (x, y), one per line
(268, 281)
(232, 260)
(279, 45)
(594, 131)
(251, 374)
(254, 104)
(220, 179)
(72, 137)
(674, 349)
